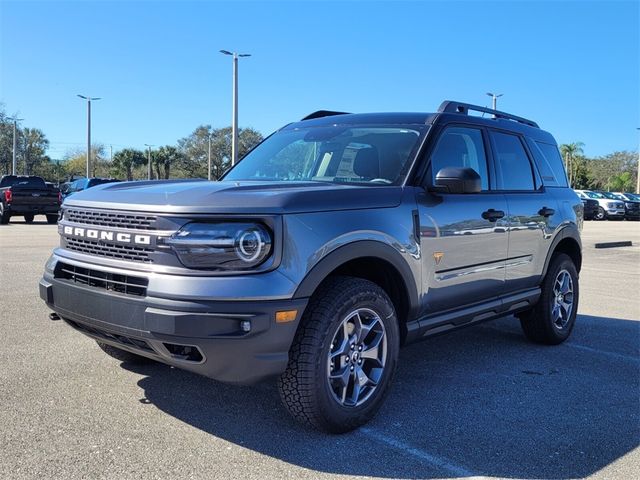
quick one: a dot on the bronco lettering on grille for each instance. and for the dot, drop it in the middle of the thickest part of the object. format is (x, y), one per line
(106, 235)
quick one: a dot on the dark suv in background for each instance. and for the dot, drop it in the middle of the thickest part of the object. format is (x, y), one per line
(335, 241)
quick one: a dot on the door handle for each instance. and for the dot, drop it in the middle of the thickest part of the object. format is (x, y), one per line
(546, 212)
(492, 215)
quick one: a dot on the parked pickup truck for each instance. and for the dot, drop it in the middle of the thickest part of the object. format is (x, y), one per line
(28, 196)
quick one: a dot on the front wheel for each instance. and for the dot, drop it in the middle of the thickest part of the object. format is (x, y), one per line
(4, 216)
(552, 319)
(343, 357)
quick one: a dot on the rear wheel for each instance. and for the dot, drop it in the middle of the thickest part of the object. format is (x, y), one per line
(552, 319)
(28, 218)
(4, 216)
(122, 355)
(52, 219)
(343, 357)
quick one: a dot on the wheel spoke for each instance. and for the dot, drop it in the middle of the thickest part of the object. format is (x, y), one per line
(362, 378)
(342, 350)
(355, 392)
(372, 350)
(362, 329)
(341, 376)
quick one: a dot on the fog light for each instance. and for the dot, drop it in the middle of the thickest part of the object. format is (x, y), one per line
(286, 316)
(245, 326)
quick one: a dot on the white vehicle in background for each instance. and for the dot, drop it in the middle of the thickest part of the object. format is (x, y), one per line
(608, 208)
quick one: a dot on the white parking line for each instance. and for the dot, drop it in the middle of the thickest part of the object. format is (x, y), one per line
(577, 346)
(619, 356)
(434, 460)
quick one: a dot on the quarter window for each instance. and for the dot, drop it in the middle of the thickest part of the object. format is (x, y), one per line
(460, 147)
(512, 163)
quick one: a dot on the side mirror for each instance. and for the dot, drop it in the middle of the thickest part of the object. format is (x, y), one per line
(457, 180)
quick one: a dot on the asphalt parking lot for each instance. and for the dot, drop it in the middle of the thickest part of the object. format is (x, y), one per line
(478, 402)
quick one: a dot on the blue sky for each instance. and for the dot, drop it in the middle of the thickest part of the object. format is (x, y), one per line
(573, 66)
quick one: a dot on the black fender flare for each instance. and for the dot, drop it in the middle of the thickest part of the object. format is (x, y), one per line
(353, 251)
(570, 232)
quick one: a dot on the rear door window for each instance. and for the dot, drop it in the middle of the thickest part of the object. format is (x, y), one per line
(514, 170)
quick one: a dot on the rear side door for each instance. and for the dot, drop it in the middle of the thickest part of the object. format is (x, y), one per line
(532, 211)
(463, 237)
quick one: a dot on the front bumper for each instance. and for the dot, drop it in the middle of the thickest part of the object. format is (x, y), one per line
(158, 327)
(615, 213)
(32, 209)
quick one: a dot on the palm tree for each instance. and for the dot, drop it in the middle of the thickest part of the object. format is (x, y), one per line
(570, 152)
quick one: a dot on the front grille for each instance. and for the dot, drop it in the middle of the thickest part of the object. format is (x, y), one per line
(121, 252)
(114, 282)
(121, 339)
(111, 219)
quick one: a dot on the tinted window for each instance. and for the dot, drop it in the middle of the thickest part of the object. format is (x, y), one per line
(512, 163)
(29, 182)
(549, 163)
(460, 147)
(339, 154)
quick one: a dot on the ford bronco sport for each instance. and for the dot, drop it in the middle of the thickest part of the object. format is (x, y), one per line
(335, 241)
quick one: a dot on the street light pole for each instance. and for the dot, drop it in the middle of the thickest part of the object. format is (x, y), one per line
(234, 113)
(14, 164)
(638, 174)
(209, 159)
(88, 99)
(494, 101)
(148, 160)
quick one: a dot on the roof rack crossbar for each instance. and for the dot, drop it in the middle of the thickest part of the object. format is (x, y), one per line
(449, 106)
(322, 113)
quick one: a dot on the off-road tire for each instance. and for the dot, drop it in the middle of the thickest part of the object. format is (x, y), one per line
(538, 324)
(4, 217)
(304, 386)
(122, 355)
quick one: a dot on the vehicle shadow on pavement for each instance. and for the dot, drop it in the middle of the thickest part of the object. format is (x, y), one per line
(481, 401)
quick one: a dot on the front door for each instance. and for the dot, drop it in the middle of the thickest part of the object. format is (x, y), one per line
(463, 237)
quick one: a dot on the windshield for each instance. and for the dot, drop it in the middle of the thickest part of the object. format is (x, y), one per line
(609, 195)
(593, 195)
(338, 154)
(29, 182)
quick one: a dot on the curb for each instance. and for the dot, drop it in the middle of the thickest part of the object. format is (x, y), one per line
(626, 243)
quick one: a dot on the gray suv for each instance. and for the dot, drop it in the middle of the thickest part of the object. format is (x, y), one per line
(330, 245)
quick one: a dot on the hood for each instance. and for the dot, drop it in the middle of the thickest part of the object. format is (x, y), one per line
(244, 197)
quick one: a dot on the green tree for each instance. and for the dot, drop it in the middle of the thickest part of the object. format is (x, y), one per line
(571, 152)
(33, 145)
(163, 158)
(126, 160)
(195, 149)
(622, 182)
(602, 170)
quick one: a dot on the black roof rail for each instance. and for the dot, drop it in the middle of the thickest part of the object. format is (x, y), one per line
(449, 106)
(322, 113)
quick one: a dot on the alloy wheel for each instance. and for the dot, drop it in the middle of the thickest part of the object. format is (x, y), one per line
(357, 357)
(562, 305)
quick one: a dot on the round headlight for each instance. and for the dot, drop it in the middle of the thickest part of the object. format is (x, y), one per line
(221, 246)
(249, 245)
